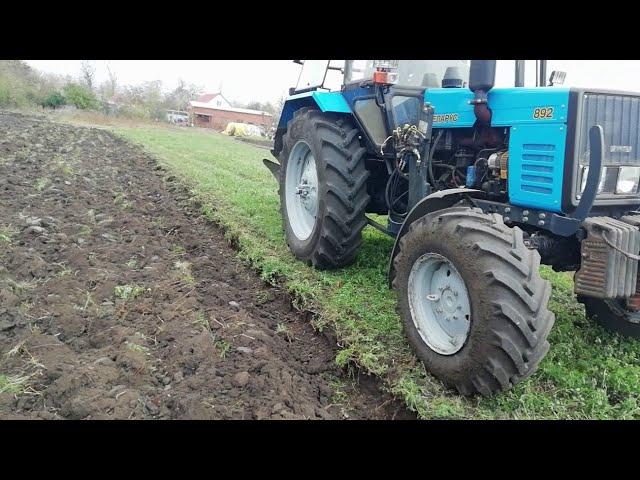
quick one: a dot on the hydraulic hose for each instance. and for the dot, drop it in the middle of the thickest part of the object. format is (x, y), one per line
(430, 159)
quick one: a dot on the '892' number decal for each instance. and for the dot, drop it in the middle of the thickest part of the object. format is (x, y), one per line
(543, 113)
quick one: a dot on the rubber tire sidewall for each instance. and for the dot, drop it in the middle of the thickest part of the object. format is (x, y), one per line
(510, 319)
(458, 253)
(302, 129)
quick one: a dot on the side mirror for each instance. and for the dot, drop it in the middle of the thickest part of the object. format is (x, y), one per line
(557, 78)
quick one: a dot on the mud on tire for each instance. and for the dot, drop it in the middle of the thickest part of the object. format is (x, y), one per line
(342, 188)
(509, 321)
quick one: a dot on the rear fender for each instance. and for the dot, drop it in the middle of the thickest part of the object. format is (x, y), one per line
(323, 101)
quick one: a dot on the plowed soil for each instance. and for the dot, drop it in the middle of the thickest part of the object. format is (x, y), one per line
(117, 300)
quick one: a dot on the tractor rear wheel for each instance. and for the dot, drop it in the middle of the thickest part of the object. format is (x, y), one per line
(613, 315)
(472, 301)
(323, 188)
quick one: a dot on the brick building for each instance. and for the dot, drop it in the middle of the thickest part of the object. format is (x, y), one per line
(212, 110)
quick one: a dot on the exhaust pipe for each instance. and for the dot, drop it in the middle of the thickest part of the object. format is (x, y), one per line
(482, 78)
(519, 80)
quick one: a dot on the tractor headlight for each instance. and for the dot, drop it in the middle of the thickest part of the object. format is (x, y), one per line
(628, 179)
(601, 184)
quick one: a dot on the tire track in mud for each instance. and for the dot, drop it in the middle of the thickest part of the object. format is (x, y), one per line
(118, 301)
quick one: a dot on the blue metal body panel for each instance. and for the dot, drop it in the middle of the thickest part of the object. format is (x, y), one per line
(536, 145)
(510, 106)
(536, 165)
(326, 101)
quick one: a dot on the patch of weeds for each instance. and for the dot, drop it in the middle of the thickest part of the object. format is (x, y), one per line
(340, 397)
(15, 350)
(6, 233)
(126, 205)
(91, 213)
(65, 168)
(178, 249)
(88, 301)
(262, 297)
(134, 347)
(85, 230)
(18, 288)
(184, 272)
(118, 198)
(41, 184)
(223, 347)
(133, 264)
(160, 222)
(26, 306)
(13, 383)
(201, 319)
(282, 329)
(129, 292)
(64, 272)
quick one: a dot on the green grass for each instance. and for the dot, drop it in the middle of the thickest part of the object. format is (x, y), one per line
(127, 292)
(13, 384)
(588, 372)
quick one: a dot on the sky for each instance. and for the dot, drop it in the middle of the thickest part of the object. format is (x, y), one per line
(267, 80)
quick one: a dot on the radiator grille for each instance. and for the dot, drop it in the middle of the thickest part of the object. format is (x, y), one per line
(619, 115)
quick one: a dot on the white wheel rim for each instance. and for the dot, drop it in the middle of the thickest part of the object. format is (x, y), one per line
(439, 303)
(301, 190)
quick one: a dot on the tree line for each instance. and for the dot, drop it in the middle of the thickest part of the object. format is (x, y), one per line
(21, 86)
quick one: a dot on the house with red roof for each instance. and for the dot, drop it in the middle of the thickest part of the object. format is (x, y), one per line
(212, 110)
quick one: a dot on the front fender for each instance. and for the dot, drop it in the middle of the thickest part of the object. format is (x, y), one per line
(431, 203)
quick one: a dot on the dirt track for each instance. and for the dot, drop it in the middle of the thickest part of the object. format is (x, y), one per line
(118, 301)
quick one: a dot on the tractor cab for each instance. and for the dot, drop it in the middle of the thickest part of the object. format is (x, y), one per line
(413, 73)
(314, 74)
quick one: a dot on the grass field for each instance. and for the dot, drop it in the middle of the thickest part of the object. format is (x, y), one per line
(588, 372)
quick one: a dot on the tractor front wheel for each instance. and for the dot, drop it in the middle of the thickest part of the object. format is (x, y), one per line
(323, 188)
(473, 304)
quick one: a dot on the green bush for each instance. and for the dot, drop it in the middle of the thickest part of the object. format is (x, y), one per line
(138, 112)
(80, 96)
(13, 92)
(54, 100)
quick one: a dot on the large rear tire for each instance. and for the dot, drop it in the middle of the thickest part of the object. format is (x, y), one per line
(323, 188)
(613, 315)
(460, 262)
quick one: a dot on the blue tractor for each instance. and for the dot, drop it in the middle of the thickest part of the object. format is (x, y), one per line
(479, 185)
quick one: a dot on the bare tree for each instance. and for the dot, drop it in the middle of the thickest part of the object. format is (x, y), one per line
(278, 109)
(112, 83)
(88, 72)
